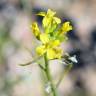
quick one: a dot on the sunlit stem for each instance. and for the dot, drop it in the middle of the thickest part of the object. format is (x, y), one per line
(48, 75)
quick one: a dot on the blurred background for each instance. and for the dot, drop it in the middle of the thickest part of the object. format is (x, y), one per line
(17, 45)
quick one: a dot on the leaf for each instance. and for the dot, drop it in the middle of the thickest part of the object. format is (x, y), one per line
(30, 62)
(25, 64)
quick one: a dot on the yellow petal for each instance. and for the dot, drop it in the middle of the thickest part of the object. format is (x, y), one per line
(54, 43)
(41, 50)
(58, 52)
(44, 38)
(51, 54)
(57, 20)
(54, 53)
(46, 21)
(48, 18)
(35, 29)
(41, 13)
(66, 27)
(50, 13)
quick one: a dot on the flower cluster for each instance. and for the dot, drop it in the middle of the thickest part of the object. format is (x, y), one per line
(52, 36)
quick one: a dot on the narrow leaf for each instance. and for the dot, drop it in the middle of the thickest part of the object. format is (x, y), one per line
(30, 62)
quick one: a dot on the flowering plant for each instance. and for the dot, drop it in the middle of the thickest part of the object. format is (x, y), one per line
(52, 36)
(50, 40)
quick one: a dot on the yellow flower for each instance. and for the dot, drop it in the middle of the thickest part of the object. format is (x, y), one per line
(41, 50)
(44, 38)
(49, 17)
(57, 20)
(50, 48)
(66, 27)
(61, 33)
(54, 43)
(35, 29)
(51, 39)
(54, 53)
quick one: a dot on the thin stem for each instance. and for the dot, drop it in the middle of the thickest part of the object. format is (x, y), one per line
(63, 74)
(42, 67)
(29, 63)
(49, 78)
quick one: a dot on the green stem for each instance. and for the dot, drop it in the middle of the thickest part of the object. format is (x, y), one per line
(49, 78)
(41, 67)
(67, 69)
